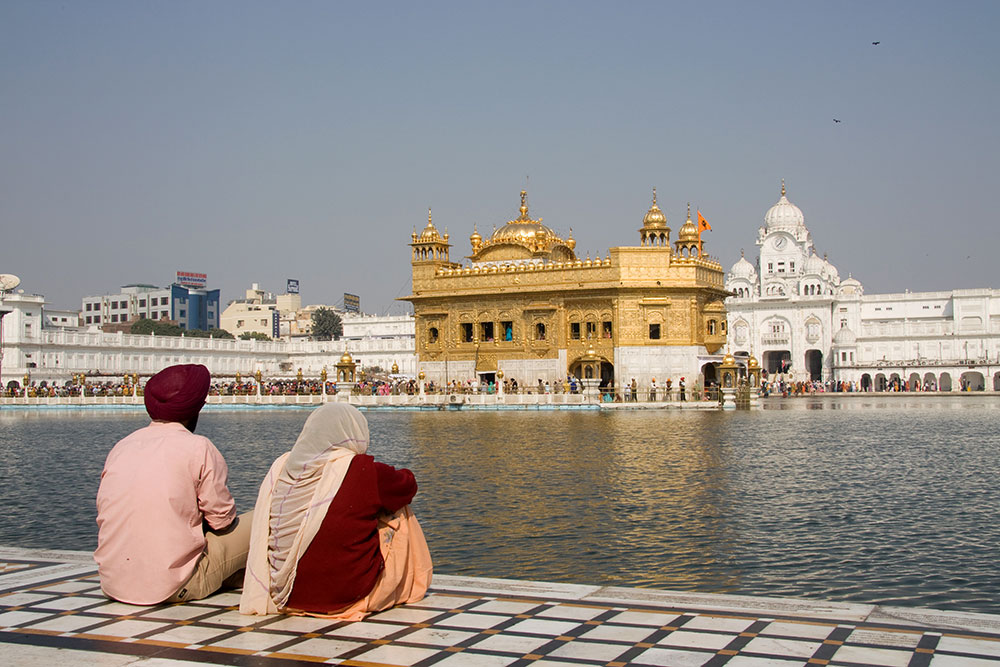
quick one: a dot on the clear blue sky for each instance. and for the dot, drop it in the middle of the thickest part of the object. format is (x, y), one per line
(262, 141)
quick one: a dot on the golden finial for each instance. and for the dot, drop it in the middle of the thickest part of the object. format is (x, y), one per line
(689, 211)
(524, 205)
(741, 253)
(654, 195)
(782, 187)
(429, 223)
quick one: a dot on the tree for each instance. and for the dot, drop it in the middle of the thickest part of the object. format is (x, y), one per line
(143, 326)
(326, 324)
(254, 335)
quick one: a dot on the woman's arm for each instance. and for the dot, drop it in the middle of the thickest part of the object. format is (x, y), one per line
(396, 488)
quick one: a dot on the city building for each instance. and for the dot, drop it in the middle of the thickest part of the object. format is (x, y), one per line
(256, 313)
(35, 342)
(276, 316)
(185, 302)
(792, 310)
(528, 306)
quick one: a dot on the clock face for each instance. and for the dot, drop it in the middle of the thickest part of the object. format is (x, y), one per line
(780, 242)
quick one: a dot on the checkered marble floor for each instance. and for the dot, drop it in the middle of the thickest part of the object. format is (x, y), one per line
(52, 611)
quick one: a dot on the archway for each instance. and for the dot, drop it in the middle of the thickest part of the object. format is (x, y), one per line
(708, 372)
(880, 382)
(777, 361)
(607, 371)
(996, 381)
(973, 381)
(914, 382)
(945, 382)
(866, 382)
(814, 364)
(895, 382)
(930, 382)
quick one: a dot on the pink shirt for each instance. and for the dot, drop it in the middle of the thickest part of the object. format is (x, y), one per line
(157, 485)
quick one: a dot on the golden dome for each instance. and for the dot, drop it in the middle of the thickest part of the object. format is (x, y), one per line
(524, 230)
(688, 231)
(430, 232)
(571, 242)
(752, 362)
(523, 238)
(346, 358)
(654, 217)
(728, 360)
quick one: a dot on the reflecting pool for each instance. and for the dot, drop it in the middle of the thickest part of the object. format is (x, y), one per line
(871, 500)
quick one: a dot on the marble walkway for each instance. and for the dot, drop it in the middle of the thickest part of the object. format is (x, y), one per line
(52, 613)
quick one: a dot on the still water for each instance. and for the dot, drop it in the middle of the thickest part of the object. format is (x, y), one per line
(867, 500)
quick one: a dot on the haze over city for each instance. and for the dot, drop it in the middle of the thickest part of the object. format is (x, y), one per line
(257, 142)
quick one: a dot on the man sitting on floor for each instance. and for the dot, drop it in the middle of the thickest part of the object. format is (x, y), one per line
(167, 524)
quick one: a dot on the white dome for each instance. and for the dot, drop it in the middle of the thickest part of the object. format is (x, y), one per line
(743, 269)
(845, 337)
(784, 215)
(814, 266)
(831, 272)
(851, 286)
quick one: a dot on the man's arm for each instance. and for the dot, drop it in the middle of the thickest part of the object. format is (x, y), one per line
(214, 499)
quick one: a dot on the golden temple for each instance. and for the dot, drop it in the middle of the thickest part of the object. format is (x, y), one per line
(527, 305)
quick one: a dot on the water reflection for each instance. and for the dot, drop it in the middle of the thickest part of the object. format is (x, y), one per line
(867, 500)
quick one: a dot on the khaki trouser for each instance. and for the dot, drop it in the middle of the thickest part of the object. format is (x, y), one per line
(225, 555)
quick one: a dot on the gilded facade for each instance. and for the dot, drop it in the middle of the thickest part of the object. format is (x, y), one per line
(526, 304)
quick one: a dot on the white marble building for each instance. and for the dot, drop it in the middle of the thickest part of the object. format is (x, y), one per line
(793, 311)
(31, 345)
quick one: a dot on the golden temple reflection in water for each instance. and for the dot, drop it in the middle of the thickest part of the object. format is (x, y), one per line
(528, 305)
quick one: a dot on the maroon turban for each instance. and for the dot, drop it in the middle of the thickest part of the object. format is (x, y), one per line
(177, 393)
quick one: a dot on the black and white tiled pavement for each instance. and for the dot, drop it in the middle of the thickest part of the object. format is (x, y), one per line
(52, 612)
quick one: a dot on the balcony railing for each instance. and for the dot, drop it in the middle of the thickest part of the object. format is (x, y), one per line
(775, 339)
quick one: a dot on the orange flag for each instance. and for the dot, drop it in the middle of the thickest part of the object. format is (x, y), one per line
(703, 225)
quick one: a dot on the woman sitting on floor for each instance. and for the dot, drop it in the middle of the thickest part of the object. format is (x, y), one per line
(333, 534)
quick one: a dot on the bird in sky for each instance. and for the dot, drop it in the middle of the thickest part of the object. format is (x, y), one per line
(836, 120)
(876, 43)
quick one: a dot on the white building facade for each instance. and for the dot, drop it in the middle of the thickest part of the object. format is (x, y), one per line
(55, 353)
(793, 312)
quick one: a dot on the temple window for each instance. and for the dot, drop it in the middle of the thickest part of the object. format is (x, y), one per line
(486, 331)
(591, 329)
(654, 332)
(539, 331)
(507, 330)
(606, 329)
(723, 326)
(432, 335)
(711, 327)
(466, 332)
(574, 330)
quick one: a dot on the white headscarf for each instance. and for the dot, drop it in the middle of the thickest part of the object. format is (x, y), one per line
(293, 502)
